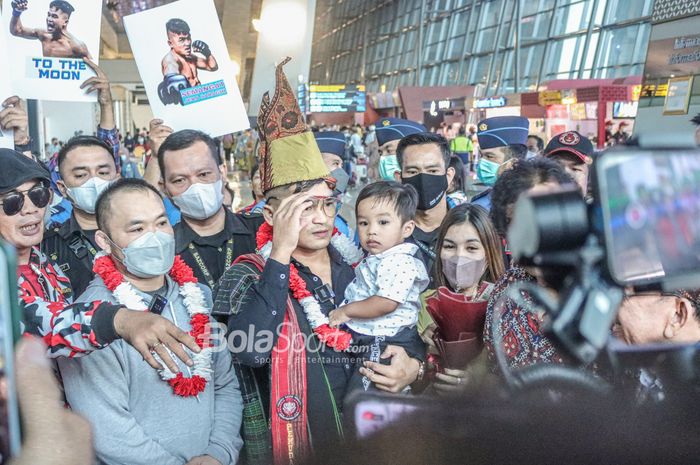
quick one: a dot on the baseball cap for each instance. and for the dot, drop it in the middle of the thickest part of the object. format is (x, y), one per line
(18, 169)
(571, 142)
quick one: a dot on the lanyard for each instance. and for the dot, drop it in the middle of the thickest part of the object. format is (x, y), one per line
(203, 268)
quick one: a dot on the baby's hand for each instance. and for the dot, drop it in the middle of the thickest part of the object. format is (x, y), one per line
(337, 317)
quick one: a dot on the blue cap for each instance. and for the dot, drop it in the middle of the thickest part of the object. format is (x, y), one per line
(501, 131)
(389, 129)
(331, 142)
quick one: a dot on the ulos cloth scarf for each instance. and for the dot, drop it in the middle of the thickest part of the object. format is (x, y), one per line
(288, 416)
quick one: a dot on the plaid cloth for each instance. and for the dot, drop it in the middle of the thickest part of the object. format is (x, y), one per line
(111, 136)
(255, 429)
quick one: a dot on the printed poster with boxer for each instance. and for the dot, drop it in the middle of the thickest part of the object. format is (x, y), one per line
(185, 67)
(47, 41)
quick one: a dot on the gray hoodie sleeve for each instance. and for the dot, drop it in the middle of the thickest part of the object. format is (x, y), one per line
(225, 441)
(96, 387)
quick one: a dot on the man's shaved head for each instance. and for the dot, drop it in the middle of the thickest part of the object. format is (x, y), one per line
(103, 209)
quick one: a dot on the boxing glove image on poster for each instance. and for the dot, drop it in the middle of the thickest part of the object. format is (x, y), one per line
(47, 41)
(184, 64)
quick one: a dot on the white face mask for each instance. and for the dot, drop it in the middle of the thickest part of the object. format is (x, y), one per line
(85, 197)
(201, 201)
(150, 255)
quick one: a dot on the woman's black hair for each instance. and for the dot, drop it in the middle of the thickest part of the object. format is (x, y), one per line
(524, 175)
(459, 182)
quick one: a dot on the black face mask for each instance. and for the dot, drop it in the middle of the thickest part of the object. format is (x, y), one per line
(431, 188)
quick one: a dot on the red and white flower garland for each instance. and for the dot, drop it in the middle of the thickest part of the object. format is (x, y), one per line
(333, 337)
(194, 302)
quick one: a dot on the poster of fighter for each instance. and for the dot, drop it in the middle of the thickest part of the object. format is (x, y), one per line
(47, 41)
(184, 64)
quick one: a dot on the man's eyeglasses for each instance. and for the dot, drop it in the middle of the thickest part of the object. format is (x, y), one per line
(329, 205)
(13, 202)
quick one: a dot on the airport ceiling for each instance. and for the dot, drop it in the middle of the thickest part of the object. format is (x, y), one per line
(115, 10)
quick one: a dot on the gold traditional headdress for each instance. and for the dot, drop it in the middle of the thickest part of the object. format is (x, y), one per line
(288, 151)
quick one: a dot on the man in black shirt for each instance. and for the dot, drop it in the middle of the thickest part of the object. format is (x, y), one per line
(424, 159)
(209, 237)
(87, 167)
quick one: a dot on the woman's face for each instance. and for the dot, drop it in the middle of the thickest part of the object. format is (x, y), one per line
(462, 240)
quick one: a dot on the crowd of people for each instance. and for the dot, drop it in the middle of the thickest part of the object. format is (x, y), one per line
(187, 333)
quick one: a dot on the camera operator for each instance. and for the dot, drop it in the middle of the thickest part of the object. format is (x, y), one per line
(659, 318)
(655, 317)
(524, 343)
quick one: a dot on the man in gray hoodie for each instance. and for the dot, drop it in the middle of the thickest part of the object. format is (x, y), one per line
(137, 418)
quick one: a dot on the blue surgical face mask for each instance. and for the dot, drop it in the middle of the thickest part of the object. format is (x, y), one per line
(150, 255)
(388, 165)
(487, 171)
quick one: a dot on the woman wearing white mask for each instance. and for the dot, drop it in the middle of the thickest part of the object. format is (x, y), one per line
(471, 259)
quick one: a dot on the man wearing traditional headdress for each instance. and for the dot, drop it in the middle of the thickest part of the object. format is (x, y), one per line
(292, 365)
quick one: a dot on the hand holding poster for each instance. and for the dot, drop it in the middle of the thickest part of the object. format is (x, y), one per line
(47, 41)
(185, 66)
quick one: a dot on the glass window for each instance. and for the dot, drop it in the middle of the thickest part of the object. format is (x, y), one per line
(535, 27)
(623, 45)
(455, 47)
(459, 23)
(622, 10)
(572, 18)
(432, 76)
(436, 32)
(485, 40)
(563, 57)
(449, 73)
(530, 61)
(490, 12)
(530, 7)
(479, 69)
(507, 36)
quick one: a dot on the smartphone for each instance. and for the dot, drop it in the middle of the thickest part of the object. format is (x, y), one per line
(10, 434)
(650, 205)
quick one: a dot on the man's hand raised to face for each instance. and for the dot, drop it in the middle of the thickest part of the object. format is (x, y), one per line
(287, 226)
(148, 332)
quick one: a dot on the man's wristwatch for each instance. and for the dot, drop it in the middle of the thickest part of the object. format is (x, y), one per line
(421, 371)
(28, 146)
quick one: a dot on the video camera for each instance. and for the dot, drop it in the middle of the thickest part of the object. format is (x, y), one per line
(642, 230)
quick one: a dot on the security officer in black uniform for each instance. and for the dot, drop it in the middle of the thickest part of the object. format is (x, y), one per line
(87, 167)
(210, 236)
